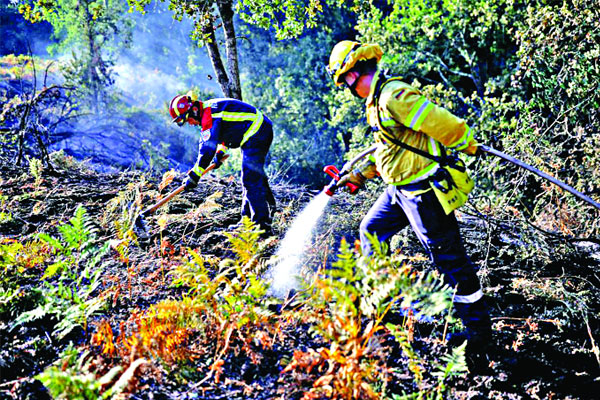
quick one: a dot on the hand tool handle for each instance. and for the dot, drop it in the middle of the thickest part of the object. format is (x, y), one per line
(180, 189)
(161, 202)
(536, 171)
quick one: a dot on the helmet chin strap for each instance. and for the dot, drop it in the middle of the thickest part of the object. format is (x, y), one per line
(197, 110)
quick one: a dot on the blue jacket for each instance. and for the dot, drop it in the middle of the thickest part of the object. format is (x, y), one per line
(228, 123)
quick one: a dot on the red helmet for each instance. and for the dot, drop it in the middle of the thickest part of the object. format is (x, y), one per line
(181, 106)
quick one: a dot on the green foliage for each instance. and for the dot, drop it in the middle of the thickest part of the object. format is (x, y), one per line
(288, 18)
(77, 243)
(244, 241)
(74, 378)
(560, 117)
(93, 32)
(70, 306)
(380, 283)
(452, 365)
(543, 110)
(237, 284)
(462, 43)
(68, 283)
(193, 274)
(287, 81)
(347, 306)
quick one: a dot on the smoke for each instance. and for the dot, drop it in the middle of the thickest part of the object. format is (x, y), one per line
(146, 86)
(162, 60)
(284, 276)
(159, 62)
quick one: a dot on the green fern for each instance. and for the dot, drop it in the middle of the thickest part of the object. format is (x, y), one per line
(452, 365)
(69, 281)
(77, 244)
(349, 302)
(73, 377)
(244, 240)
(70, 304)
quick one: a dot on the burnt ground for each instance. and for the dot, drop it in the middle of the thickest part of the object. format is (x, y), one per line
(544, 290)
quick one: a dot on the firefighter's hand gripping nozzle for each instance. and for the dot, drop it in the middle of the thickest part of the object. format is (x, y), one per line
(332, 171)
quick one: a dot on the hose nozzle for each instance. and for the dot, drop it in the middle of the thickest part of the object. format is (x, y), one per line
(332, 171)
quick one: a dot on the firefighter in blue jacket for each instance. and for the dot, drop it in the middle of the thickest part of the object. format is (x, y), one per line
(229, 123)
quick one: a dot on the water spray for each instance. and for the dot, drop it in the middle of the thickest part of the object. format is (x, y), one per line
(284, 275)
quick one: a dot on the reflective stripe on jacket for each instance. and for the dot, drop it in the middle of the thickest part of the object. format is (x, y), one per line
(239, 120)
(233, 123)
(409, 117)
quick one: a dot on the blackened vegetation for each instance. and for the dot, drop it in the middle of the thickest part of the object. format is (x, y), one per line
(545, 304)
(30, 118)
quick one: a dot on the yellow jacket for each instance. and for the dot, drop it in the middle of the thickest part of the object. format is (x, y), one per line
(406, 115)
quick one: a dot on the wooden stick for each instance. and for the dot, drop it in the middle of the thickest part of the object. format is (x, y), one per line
(180, 189)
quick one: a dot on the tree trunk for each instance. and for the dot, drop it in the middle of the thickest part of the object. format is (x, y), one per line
(215, 59)
(92, 77)
(226, 12)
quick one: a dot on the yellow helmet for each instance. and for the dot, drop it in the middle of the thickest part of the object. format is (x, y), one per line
(346, 54)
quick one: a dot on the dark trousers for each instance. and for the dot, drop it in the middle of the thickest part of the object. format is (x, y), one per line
(258, 202)
(440, 236)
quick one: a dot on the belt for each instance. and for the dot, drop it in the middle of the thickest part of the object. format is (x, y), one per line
(413, 187)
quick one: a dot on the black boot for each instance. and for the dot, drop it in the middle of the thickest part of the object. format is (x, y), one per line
(478, 333)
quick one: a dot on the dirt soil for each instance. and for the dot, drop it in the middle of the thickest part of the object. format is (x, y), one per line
(545, 309)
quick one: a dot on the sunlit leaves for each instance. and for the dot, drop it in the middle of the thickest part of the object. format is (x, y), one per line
(347, 305)
(222, 312)
(289, 18)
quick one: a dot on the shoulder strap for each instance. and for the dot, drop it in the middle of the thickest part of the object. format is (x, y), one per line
(382, 82)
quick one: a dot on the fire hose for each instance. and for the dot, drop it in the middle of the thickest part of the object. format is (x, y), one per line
(541, 174)
(332, 171)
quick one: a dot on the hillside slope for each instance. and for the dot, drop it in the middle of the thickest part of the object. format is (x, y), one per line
(545, 309)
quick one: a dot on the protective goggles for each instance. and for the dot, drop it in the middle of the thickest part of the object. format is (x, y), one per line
(181, 119)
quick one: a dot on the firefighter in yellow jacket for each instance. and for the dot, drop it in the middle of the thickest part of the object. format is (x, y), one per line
(413, 138)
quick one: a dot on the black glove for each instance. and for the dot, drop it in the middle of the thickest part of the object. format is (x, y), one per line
(217, 159)
(191, 182)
